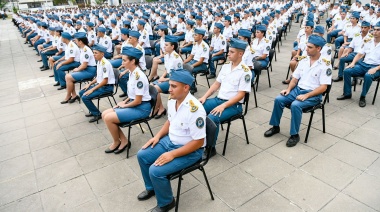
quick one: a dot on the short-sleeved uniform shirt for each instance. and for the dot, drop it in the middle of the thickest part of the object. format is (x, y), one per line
(201, 50)
(138, 85)
(311, 77)
(372, 52)
(72, 50)
(173, 62)
(261, 47)
(86, 55)
(218, 42)
(104, 70)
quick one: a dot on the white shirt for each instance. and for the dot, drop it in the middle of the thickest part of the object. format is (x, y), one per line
(86, 55)
(233, 81)
(357, 41)
(227, 32)
(200, 50)
(91, 36)
(189, 36)
(138, 85)
(372, 55)
(144, 37)
(188, 122)
(172, 61)
(311, 77)
(106, 42)
(248, 56)
(104, 70)
(72, 50)
(261, 47)
(116, 32)
(218, 42)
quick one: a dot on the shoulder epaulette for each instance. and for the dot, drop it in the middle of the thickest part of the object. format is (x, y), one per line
(326, 61)
(245, 68)
(193, 107)
(301, 58)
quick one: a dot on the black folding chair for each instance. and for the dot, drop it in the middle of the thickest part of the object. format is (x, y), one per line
(274, 43)
(153, 94)
(149, 63)
(108, 95)
(312, 109)
(236, 117)
(210, 136)
(190, 69)
(269, 66)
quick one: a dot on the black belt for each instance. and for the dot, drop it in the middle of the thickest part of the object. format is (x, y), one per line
(109, 85)
(221, 99)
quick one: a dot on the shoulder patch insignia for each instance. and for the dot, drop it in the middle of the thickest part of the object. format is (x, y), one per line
(139, 84)
(200, 122)
(193, 107)
(247, 78)
(245, 68)
(328, 72)
(104, 70)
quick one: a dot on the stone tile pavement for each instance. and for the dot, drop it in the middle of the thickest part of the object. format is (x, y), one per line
(52, 159)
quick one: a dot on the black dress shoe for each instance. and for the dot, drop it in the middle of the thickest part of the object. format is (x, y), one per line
(122, 95)
(66, 101)
(272, 131)
(108, 150)
(343, 97)
(145, 195)
(74, 99)
(160, 115)
(44, 68)
(211, 76)
(335, 68)
(362, 102)
(61, 88)
(293, 140)
(89, 115)
(338, 79)
(95, 118)
(56, 84)
(165, 208)
(39, 60)
(51, 75)
(285, 82)
(118, 151)
(212, 153)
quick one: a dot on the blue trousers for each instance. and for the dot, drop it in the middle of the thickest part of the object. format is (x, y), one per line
(295, 45)
(155, 176)
(116, 63)
(212, 62)
(368, 79)
(186, 49)
(157, 47)
(181, 37)
(133, 113)
(148, 51)
(87, 100)
(343, 61)
(202, 67)
(359, 70)
(87, 73)
(47, 44)
(298, 16)
(296, 107)
(44, 57)
(212, 103)
(108, 55)
(340, 40)
(123, 81)
(40, 41)
(328, 22)
(59, 74)
(333, 33)
(31, 36)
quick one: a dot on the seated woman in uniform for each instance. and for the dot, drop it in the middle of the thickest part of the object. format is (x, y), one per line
(116, 60)
(261, 47)
(172, 62)
(86, 70)
(187, 46)
(160, 51)
(245, 35)
(136, 106)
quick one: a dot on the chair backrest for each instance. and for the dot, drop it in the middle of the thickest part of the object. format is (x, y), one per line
(326, 94)
(188, 67)
(152, 43)
(210, 137)
(116, 72)
(274, 43)
(271, 54)
(149, 61)
(153, 95)
(245, 103)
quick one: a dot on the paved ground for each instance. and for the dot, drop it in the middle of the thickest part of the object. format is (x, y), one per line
(52, 159)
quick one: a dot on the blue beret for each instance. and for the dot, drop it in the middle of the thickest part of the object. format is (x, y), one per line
(59, 29)
(130, 17)
(171, 38)
(99, 48)
(101, 19)
(237, 15)
(163, 15)
(355, 15)
(141, 22)
(181, 16)
(319, 29)
(190, 22)
(198, 17)
(126, 23)
(261, 28)
(145, 17)
(258, 9)
(69, 21)
(66, 35)
(52, 28)
(367, 5)
(102, 29)
(317, 40)
(310, 16)
(43, 24)
(265, 22)
(90, 24)
(376, 25)
(219, 25)
(113, 21)
(80, 35)
(78, 23)
(135, 34)
(278, 11)
(162, 27)
(365, 24)
(238, 44)
(118, 15)
(227, 18)
(272, 14)
(244, 33)
(200, 31)
(182, 76)
(124, 31)
(131, 51)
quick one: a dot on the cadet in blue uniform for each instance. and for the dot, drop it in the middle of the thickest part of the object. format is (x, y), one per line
(86, 70)
(104, 82)
(368, 67)
(234, 80)
(54, 49)
(249, 53)
(187, 45)
(261, 47)
(66, 63)
(136, 106)
(198, 58)
(217, 48)
(309, 81)
(177, 145)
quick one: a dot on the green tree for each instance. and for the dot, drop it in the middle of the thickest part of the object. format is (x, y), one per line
(3, 3)
(99, 2)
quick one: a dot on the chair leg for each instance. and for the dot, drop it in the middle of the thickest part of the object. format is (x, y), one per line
(275, 55)
(245, 130)
(178, 192)
(141, 129)
(222, 127)
(287, 75)
(257, 81)
(254, 95)
(269, 78)
(308, 127)
(323, 119)
(97, 121)
(208, 185)
(109, 101)
(225, 140)
(129, 138)
(114, 100)
(147, 123)
(377, 88)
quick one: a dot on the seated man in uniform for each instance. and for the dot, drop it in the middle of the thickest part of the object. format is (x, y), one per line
(217, 48)
(102, 84)
(366, 63)
(177, 145)
(309, 81)
(234, 80)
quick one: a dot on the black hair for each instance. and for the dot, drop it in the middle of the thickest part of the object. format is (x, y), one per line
(175, 44)
(83, 40)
